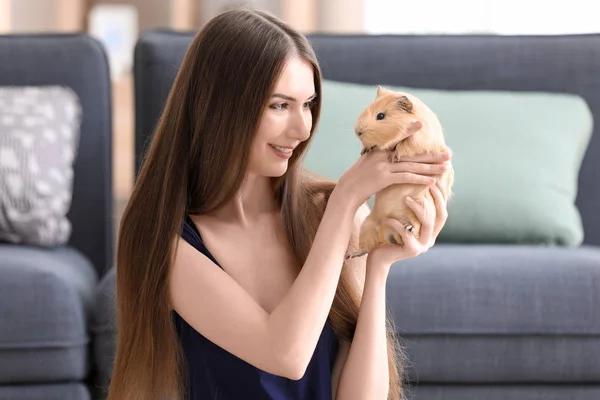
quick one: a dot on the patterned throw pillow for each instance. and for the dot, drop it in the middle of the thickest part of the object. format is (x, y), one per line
(39, 137)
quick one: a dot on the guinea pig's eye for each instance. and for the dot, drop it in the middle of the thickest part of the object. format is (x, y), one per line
(380, 116)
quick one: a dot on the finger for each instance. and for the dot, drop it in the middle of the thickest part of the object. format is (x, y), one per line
(419, 168)
(437, 191)
(437, 157)
(426, 215)
(394, 224)
(408, 177)
(441, 212)
(439, 185)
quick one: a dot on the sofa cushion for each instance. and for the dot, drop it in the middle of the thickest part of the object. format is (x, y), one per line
(103, 328)
(516, 158)
(503, 392)
(39, 136)
(502, 358)
(56, 391)
(478, 313)
(46, 299)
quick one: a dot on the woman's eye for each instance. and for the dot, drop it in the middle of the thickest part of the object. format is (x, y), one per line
(309, 104)
(280, 106)
(380, 116)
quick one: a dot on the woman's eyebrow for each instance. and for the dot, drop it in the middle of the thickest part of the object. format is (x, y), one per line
(289, 98)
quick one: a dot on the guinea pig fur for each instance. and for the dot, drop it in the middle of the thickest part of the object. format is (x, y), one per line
(385, 126)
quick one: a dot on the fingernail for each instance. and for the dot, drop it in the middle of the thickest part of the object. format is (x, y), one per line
(409, 199)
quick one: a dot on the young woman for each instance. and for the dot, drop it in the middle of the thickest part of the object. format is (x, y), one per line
(232, 281)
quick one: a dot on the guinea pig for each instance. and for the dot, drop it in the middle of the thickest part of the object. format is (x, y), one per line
(386, 125)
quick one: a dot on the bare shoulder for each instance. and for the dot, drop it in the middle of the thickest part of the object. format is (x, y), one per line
(212, 302)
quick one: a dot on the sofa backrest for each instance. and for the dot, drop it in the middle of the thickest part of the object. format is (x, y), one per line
(79, 62)
(566, 64)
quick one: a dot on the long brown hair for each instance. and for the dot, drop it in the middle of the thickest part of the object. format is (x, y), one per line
(195, 163)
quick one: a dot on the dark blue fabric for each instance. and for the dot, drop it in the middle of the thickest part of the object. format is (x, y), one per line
(214, 373)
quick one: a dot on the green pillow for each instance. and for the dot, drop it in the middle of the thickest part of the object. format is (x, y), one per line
(516, 157)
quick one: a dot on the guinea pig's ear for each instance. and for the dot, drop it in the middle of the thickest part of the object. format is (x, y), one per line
(404, 104)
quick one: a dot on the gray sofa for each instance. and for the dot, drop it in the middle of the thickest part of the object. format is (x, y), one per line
(47, 295)
(479, 321)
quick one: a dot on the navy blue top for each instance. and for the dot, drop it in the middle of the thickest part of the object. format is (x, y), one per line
(214, 373)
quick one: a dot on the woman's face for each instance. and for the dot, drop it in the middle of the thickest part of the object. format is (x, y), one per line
(286, 121)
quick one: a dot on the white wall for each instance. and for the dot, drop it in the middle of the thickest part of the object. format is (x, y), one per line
(482, 16)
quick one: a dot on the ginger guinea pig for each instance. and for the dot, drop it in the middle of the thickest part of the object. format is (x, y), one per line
(385, 126)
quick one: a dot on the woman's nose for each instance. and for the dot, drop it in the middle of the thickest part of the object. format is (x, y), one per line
(301, 126)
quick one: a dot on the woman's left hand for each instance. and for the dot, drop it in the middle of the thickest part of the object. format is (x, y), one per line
(433, 216)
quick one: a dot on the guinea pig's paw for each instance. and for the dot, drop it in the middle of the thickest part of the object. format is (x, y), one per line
(392, 157)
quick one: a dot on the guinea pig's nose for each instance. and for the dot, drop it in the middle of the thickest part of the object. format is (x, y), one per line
(359, 132)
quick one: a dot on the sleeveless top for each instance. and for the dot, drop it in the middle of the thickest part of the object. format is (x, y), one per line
(214, 373)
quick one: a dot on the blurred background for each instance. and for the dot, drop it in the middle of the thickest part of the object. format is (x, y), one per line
(514, 319)
(118, 24)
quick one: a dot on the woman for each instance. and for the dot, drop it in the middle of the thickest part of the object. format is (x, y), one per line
(273, 310)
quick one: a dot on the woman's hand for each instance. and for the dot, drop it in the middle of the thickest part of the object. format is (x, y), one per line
(373, 172)
(433, 216)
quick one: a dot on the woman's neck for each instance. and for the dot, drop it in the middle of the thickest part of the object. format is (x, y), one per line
(254, 200)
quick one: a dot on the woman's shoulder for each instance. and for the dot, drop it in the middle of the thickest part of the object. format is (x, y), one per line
(191, 234)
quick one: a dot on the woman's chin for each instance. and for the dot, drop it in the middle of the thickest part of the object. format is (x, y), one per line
(278, 172)
(271, 171)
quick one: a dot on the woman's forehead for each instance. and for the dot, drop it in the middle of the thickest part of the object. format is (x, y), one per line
(296, 79)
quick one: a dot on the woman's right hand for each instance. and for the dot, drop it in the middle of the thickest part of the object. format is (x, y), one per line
(373, 172)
